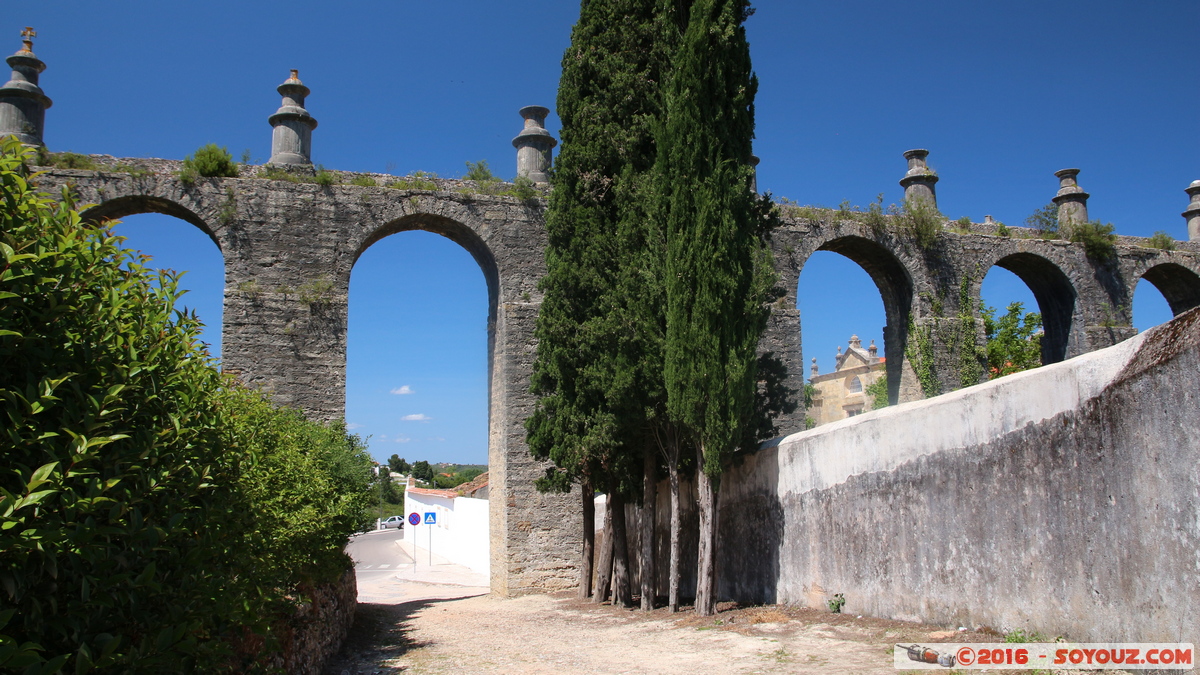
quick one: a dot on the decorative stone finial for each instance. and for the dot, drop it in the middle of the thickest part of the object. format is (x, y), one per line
(1193, 211)
(872, 349)
(291, 139)
(813, 369)
(22, 103)
(919, 180)
(1071, 199)
(855, 342)
(534, 144)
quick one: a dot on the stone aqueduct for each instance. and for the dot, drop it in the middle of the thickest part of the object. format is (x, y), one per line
(289, 249)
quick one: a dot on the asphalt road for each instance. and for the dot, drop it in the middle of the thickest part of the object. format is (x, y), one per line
(378, 553)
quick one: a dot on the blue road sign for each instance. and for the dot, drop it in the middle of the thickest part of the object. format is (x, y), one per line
(414, 518)
(430, 518)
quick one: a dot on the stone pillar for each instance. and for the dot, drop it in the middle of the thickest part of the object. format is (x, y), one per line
(1071, 199)
(918, 182)
(1193, 211)
(291, 140)
(754, 160)
(22, 103)
(534, 144)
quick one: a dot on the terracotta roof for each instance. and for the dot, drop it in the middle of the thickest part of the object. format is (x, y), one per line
(448, 494)
(476, 483)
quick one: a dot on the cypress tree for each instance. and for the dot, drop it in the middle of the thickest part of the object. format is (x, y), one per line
(717, 279)
(588, 417)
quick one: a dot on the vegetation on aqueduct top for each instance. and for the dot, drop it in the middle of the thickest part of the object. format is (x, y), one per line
(154, 516)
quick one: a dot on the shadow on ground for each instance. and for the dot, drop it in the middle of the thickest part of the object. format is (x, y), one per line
(379, 635)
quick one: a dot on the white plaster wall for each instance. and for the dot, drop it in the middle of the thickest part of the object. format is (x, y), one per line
(882, 440)
(461, 532)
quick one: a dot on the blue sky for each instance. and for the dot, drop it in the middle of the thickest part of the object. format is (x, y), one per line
(1002, 94)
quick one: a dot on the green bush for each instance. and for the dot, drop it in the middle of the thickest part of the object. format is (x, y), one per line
(479, 171)
(363, 181)
(874, 216)
(149, 512)
(1044, 221)
(1097, 238)
(1014, 340)
(112, 490)
(65, 160)
(1161, 240)
(922, 221)
(210, 161)
(308, 487)
(523, 188)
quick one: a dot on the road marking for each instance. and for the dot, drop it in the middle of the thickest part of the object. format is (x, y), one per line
(384, 567)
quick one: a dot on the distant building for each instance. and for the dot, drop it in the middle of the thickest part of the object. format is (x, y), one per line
(842, 393)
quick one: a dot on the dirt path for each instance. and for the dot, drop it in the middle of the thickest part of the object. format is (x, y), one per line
(432, 631)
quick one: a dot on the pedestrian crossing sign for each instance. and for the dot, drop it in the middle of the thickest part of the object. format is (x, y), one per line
(430, 518)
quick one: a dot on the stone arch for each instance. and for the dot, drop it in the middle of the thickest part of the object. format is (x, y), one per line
(1056, 297)
(1179, 285)
(453, 230)
(895, 284)
(129, 205)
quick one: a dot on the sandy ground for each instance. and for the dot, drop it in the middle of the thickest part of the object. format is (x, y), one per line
(435, 619)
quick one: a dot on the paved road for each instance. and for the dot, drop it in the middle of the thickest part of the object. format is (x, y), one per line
(378, 552)
(387, 574)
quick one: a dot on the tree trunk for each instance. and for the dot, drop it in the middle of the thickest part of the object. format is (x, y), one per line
(622, 589)
(676, 526)
(605, 568)
(649, 504)
(706, 559)
(589, 538)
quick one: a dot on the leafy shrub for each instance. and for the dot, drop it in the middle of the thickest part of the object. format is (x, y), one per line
(479, 171)
(874, 216)
(210, 161)
(67, 160)
(324, 177)
(417, 180)
(112, 491)
(363, 181)
(1002, 230)
(144, 503)
(963, 225)
(922, 221)
(1097, 238)
(878, 391)
(1044, 221)
(308, 487)
(1161, 240)
(523, 188)
(1014, 341)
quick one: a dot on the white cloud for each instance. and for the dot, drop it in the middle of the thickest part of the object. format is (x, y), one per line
(401, 440)
(436, 438)
(352, 426)
(419, 417)
(400, 391)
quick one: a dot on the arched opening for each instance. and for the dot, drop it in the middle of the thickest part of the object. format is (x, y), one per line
(999, 292)
(175, 239)
(1051, 290)
(854, 299)
(1178, 291)
(418, 371)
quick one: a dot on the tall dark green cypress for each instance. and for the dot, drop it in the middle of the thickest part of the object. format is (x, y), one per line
(588, 419)
(716, 280)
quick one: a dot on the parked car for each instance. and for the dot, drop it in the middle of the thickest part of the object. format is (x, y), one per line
(395, 521)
